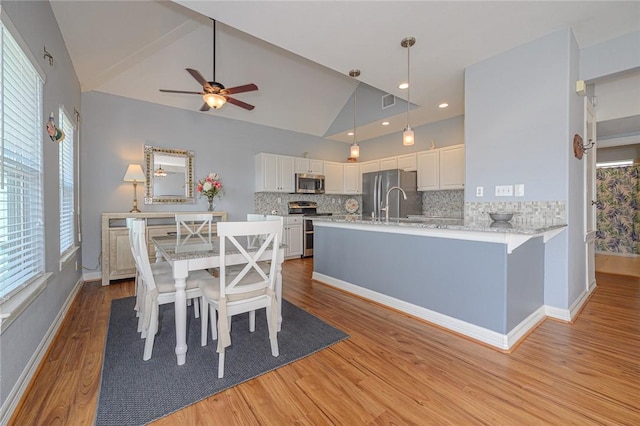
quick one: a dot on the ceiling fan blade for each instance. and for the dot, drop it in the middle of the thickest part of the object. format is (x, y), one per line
(205, 107)
(181, 91)
(196, 74)
(239, 89)
(239, 103)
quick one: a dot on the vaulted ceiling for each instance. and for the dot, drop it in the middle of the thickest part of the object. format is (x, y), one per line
(299, 53)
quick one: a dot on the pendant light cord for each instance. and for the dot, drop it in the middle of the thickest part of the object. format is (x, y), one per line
(214, 50)
(408, 81)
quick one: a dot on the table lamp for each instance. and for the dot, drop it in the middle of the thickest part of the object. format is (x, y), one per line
(134, 174)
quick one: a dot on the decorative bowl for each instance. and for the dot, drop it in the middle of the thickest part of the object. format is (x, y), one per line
(501, 217)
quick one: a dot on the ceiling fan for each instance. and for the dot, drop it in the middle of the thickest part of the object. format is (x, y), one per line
(213, 93)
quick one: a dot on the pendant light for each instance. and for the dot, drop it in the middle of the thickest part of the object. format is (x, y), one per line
(355, 148)
(407, 135)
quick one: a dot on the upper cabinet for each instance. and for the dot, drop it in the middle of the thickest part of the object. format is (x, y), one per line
(333, 177)
(274, 173)
(428, 170)
(308, 165)
(370, 166)
(452, 167)
(408, 162)
(390, 163)
(441, 168)
(352, 178)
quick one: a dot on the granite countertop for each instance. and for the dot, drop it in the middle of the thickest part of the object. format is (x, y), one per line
(517, 225)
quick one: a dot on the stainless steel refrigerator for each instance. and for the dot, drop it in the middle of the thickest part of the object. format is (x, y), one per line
(374, 190)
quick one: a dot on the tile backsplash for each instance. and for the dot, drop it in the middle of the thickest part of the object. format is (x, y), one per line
(532, 210)
(270, 202)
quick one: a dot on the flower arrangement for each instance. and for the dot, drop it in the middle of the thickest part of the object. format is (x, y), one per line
(210, 187)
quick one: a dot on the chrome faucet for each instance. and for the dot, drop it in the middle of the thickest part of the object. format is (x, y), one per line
(386, 208)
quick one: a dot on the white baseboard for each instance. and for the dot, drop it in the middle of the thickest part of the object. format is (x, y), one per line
(492, 338)
(14, 396)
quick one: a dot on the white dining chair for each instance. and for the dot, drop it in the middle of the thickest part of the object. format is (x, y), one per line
(159, 286)
(138, 283)
(194, 225)
(250, 289)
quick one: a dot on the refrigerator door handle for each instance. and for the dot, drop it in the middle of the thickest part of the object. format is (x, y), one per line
(375, 197)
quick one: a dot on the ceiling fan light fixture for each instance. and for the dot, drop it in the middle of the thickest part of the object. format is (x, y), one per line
(214, 100)
(160, 172)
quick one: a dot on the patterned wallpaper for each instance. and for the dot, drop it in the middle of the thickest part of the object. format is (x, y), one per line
(618, 210)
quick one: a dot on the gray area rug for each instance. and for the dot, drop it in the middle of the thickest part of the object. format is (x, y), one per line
(135, 392)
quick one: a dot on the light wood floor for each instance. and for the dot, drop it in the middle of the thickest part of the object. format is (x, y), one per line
(392, 370)
(618, 265)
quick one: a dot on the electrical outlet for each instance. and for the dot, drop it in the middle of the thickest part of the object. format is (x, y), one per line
(519, 190)
(504, 190)
(279, 200)
(479, 191)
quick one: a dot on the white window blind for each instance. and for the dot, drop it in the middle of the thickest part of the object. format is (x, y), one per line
(67, 213)
(21, 196)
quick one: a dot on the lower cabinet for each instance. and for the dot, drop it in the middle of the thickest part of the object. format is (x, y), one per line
(293, 236)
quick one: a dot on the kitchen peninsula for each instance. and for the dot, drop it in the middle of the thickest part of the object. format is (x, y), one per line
(481, 279)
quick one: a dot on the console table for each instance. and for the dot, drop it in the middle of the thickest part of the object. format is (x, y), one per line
(117, 261)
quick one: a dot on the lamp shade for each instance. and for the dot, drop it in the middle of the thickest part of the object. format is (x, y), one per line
(134, 173)
(355, 150)
(214, 100)
(407, 137)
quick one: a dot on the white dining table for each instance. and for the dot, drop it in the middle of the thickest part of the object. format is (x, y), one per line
(200, 254)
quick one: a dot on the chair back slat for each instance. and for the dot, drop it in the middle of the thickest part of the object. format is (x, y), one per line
(252, 277)
(190, 225)
(141, 253)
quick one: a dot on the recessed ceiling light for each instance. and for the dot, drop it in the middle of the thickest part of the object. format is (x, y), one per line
(403, 86)
(350, 134)
(385, 123)
(443, 105)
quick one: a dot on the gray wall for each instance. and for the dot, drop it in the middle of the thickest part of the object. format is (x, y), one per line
(426, 272)
(37, 27)
(115, 130)
(444, 133)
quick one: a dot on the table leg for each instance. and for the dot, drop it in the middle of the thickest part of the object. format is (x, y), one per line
(180, 273)
(279, 286)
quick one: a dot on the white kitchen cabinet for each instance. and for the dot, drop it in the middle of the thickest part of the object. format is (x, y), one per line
(333, 177)
(428, 170)
(308, 165)
(390, 163)
(352, 178)
(292, 237)
(274, 173)
(452, 167)
(370, 166)
(407, 162)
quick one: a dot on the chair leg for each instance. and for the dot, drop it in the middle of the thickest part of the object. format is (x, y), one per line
(196, 307)
(274, 342)
(214, 322)
(221, 365)
(252, 321)
(151, 333)
(203, 323)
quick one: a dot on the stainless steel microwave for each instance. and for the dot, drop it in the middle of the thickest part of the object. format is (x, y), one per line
(307, 183)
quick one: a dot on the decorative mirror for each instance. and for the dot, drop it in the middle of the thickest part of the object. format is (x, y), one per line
(169, 176)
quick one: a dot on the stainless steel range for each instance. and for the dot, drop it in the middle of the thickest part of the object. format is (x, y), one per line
(307, 209)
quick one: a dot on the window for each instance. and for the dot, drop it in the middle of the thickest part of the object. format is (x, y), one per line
(67, 213)
(21, 196)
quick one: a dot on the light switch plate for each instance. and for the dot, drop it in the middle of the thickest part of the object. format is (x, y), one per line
(479, 191)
